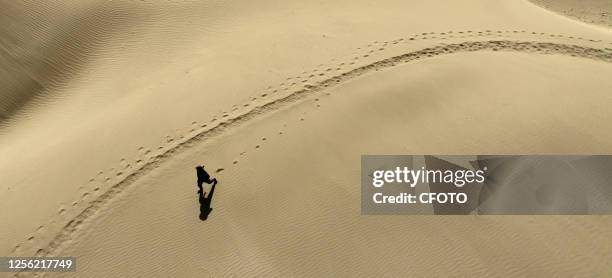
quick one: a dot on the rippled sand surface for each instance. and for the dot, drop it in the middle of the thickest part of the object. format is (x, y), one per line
(106, 107)
(597, 12)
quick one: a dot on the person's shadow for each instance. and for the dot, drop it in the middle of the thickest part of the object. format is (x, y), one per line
(205, 201)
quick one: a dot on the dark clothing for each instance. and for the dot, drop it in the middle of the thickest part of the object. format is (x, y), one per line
(204, 177)
(202, 174)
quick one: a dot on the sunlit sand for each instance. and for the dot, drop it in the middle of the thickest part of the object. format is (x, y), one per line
(107, 107)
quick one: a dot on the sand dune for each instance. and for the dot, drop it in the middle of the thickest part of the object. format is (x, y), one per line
(44, 45)
(106, 108)
(591, 11)
(290, 189)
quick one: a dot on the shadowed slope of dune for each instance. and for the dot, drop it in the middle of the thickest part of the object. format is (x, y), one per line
(18, 87)
(40, 49)
(590, 11)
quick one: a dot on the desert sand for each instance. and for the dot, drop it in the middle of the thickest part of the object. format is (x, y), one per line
(107, 106)
(590, 11)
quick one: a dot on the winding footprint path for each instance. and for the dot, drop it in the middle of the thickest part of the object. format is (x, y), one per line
(364, 60)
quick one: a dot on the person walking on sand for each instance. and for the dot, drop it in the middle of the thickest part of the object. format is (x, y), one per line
(204, 177)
